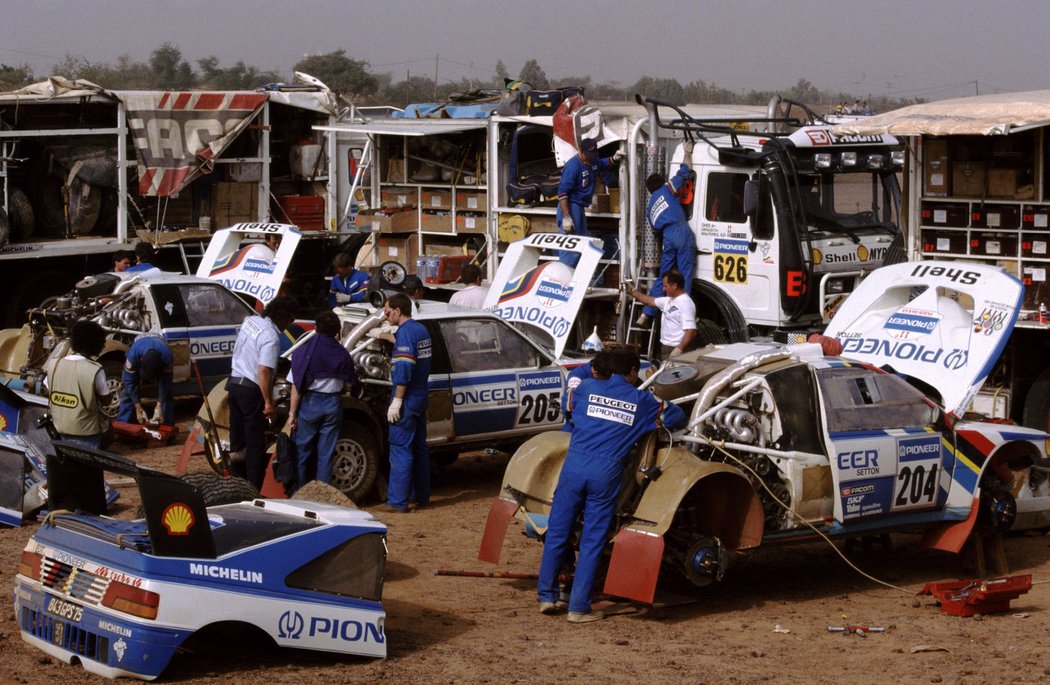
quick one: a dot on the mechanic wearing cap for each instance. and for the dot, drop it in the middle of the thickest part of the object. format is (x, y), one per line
(671, 226)
(149, 360)
(473, 295)
(321, 370)
(407, 415)
(678, 324)
(250, 387)
(348, 284)
(609, 416)
(576, 190)
(77, 388)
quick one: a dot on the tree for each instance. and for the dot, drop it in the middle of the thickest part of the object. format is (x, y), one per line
(533, 74)
(502, 75)
(15, 77)
(665, 89)
(238, 77)
(345, 76)
(169, 69)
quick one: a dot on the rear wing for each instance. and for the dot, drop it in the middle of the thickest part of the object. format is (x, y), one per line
(254, 269)
(176, 518)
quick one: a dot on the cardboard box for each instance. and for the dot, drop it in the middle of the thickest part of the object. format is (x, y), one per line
(969, 179)
(600, 204)
(443, 249)
(398, 197)
(543, 223)
(436, 222)
(472, 200)
(386, 221)
(937, 169)
(395, 171)
(1002, 183)
(435, 199)
(233, 203)
(614, 200)
(471, 223)
(403, 250)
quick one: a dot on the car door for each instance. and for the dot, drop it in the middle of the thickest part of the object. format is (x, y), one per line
(439, 393)
(887, 452)
(501, 382)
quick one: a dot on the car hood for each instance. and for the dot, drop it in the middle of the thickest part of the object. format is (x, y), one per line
(544, 294)
(253, 269)
(944, 323)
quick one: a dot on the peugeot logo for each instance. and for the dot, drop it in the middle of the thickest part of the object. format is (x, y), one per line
(956, 360)
(290, 625)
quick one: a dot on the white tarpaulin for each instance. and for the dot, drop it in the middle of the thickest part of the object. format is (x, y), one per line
(984, 115)
(178, 134)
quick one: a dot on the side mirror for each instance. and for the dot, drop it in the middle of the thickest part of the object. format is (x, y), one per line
(751, 194)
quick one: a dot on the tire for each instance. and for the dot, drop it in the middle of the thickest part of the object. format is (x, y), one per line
(897, 252)
(23, 221)
(213, 453)
(1037, 404)
(5, 229)
(218, 489)
(113, 368)
(316, 491)
(709, 333)
(355, 463)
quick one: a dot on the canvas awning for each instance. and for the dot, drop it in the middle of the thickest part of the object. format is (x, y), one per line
(408, 127)
(982, 115)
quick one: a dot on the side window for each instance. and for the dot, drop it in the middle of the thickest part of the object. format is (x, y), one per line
(475, 345)
(860, 400)
(724, 200)
(170, 309)
(211, 305)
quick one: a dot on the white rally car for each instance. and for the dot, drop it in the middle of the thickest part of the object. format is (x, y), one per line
(784, 443)
(120, 597)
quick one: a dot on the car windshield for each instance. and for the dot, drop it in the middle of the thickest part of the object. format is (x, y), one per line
(858, 399)
(208, 304)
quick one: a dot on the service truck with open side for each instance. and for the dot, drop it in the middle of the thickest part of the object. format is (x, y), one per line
(978, 191)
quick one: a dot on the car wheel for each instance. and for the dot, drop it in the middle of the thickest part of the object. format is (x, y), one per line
(355, 463)
(22, 219)
(113, 369)
(1037, 404)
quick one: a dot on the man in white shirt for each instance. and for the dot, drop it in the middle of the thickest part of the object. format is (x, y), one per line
(473, 295)
(678, 320)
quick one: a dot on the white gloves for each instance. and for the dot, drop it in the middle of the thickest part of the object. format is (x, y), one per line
(140, 416)
(687, 146)
(393, 414)
(342, 298)
(158, 413)
(384, 332)
(675, 352)
(618, 155)
(567, 225)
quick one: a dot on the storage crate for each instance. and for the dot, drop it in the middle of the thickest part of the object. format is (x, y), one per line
(436, 199)
(398, 197)
(233, 203)
(937, 169)
(995, 216)
(947, 242)
(1035, 245)
(388, 221)
(1035, 216)
(304, 211)
(436, 222)
(969, 179)
(471, 200)
(952, 214)
(470, 223)
(993, 244)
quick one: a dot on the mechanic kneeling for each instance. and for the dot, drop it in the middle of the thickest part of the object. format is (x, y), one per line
(609, 416)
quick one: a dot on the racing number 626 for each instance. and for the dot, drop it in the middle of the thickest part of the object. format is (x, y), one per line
(731, 268)
(916, 485)
(540, 408)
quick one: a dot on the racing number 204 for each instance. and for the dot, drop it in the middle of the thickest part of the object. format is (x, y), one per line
(731, 268)
(916, 485)
(540, 408)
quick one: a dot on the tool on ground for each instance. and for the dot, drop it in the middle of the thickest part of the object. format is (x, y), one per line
(856, 630)
(224, 456)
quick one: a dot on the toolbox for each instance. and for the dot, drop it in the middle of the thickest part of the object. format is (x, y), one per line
(977, 596)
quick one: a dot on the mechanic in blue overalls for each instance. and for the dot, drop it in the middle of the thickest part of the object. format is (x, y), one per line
(671, 226)
(609, 416)
(348, 284)
(576, 189)
(149, 360)
(407, 415)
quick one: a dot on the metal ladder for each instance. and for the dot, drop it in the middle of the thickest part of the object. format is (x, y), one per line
(191, 249)
(643, 336)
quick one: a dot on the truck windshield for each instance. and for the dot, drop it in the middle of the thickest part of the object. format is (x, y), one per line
(849, 201)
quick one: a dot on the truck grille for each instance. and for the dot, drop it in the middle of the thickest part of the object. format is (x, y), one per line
(74, 582)
(68, 637)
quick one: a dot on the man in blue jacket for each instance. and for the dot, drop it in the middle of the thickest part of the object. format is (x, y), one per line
(609, 416)
(348, 284)
(407, 415)
(576, 190)
(149, 360)
(671, 225)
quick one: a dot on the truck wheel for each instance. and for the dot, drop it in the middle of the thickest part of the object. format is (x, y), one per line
(709, 333)
(355, 463)
(113, 368)
(1037, 404)
(897, 252)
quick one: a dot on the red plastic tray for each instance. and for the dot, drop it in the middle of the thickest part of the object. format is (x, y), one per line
(977, 596)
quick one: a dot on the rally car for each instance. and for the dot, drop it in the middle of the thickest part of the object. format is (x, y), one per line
(120, 597)
(784, 443)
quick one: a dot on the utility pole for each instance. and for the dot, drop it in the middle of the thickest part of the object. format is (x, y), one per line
(437, 57)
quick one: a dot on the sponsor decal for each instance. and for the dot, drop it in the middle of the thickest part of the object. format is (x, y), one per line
(259, 266)
(861, 462)
(23, 595)
(858, 489)
(63, 399)
(959, 276)
(114, 628)
(243, 285)
(991, 320)
(863, 253)
(226, 573)
(423, 349)
(3, 422)
(731, 246)
(63, 609)
(553, 380)
(554, 241)
(907, 321)
(914, 449)
(485, 397)
(551, 293)
(866, 498)
(292, 626)
(177, 519)
(119, 647)
(118, 576)
(953, 360)
(212, 348)
(556, 325)
(63, 557)
(611, 409)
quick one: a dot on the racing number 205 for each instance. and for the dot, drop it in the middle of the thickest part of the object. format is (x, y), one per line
(540, 408)
(916, 485)
(731, 268)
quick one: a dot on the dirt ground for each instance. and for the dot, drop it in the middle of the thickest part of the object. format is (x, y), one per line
(766, 622)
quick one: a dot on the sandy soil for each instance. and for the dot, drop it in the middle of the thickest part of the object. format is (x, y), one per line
(466, 630)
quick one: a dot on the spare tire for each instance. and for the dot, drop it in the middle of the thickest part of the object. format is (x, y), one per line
(218, 489)
(23, 221)
(316, 491)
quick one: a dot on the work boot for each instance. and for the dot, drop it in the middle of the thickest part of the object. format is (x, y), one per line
(581, 617)
(644, 320)
(548, 608)
(387, 509)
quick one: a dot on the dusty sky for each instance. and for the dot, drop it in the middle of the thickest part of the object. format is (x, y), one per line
(932, 49)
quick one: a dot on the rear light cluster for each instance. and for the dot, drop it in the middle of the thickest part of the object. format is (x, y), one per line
(118, 596)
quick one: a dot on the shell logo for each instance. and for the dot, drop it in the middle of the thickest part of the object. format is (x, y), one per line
(3, 422)
(862, 253)
(818, 257)
(177, 519)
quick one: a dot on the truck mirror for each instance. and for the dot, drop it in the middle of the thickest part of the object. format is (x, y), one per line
(751, 193)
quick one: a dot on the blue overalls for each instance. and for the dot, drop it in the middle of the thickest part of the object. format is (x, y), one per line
(409, 456)
(577, 186)
(678, 247)
(130, 377)
(354, 284)
(572, 381)
(609, 417)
